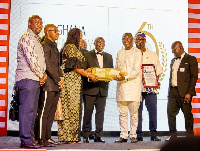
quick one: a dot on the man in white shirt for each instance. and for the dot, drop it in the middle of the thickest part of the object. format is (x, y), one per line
(148, 94)
(128, 60)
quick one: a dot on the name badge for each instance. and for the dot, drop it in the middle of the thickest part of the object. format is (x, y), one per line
(182, 69)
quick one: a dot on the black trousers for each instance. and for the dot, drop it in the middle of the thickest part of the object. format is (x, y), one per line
(175, 103)
(47, 113)
(89, 102)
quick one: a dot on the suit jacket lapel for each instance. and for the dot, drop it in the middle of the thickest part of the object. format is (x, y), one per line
(54, 48)
(94, 56)
(171, 65)
(52, 45)
(104, 60)
(184, 59)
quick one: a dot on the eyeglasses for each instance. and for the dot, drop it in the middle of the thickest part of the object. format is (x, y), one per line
(55, 31)
(138, 40)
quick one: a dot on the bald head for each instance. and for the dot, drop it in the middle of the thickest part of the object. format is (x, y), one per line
(51, 32)
(177, 48)
(83, 44)
(99, 44)
(35, 24)
(48, 27)
(31, 18)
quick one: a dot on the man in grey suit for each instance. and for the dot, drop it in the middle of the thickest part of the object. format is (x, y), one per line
(183, 77)
(51, 89)
(95, 94)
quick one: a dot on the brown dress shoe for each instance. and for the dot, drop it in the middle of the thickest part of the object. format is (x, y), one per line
(51, 141)
(31, 146)
(45, 143)
(133, 140)
(121, 140)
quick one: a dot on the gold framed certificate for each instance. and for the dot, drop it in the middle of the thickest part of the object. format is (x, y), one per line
(149, 78)
(106, 74)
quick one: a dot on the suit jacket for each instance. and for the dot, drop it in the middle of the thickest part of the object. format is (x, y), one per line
(91, 88)
(53, 71)
(187, 75)
(83, 51)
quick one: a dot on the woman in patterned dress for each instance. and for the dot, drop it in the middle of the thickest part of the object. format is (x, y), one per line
(69, 129)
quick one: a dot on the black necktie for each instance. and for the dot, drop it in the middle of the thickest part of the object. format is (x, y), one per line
(98, 53)
(178, 58)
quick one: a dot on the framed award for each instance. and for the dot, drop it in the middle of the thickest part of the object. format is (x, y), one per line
(149, 78)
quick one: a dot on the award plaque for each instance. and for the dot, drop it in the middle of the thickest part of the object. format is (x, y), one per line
(106, 74)
(149, 78)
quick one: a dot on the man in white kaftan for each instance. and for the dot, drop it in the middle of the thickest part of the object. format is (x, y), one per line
(129, 60)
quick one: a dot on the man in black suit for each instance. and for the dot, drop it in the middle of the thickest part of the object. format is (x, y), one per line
(183, 77)
(83, 50)
(51, 89)
(95, 94)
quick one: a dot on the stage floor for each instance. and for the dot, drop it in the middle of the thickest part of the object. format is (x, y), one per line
(8, 142)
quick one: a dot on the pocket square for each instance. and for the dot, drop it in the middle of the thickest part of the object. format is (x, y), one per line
(186, 63)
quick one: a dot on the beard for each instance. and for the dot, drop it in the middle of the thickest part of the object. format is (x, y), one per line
(139, 46)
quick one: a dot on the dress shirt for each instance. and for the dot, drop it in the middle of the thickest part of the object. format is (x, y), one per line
(100, 58)
(175, 68)
(30, 57)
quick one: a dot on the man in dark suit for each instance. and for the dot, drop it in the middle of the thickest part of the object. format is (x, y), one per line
(183, 77)
(51, 89)
(95, 94)
(83, 50)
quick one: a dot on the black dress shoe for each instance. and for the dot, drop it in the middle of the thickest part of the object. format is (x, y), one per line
(91, 136)
(155, 138)
(139, 138)
(133, 140)
(99, 139)
(51, 141)
(45, 143)
(86, 139)
(121, 140)
(31, 146)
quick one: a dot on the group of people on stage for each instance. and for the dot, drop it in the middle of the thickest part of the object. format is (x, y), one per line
(43, 73)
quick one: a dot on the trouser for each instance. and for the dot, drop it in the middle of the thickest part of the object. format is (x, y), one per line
(151, 105)
(99, 102)
(28, 96)
(91, 119)
(175, 103)
(124, 107)
(47, 113)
